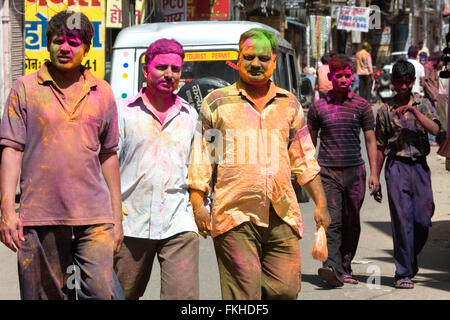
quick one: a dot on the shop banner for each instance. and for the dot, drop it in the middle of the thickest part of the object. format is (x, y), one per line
(139, 10)
(37, 15)
(114, 14)
(353, 19)
(208, 10)
(174, 10)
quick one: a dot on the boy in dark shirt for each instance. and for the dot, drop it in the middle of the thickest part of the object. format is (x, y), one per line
(401, 133)
(340, 116)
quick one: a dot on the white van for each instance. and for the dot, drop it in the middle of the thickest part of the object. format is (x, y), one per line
(211, 52)
(211, 55)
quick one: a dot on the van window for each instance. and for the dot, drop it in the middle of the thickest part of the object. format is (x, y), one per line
(293, 73)
(282, 71)
(201, 64)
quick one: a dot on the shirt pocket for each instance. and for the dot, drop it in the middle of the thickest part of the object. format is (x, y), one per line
(90, 132)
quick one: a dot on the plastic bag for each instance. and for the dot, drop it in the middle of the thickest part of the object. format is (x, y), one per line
(320, 249)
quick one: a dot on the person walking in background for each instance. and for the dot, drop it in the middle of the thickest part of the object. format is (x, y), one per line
(60, 128)
(419, 70)
(364, 70)
(156, 132)
(435, 89)
(339, 117)
(256, 220)
(401, 134)
(323, 83)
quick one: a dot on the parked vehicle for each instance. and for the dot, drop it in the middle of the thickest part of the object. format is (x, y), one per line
(211, 48)
(383, 85)
(211, 56)
(393, 58)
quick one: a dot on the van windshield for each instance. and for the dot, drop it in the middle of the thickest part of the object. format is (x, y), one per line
(201, 64)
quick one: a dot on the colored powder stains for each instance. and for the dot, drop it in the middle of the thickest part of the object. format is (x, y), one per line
(26, 262)
(12, 112)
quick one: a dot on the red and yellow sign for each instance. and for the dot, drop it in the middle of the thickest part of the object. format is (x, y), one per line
(211, 56)
(206, 56)
(37, 15)
(208, 10)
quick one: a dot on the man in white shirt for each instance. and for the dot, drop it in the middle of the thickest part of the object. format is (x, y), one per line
(420, 71)
(156, 130)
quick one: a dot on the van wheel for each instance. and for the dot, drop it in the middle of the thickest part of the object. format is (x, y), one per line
(194, 92)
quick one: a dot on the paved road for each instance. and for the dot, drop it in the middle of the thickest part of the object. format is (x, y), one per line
(373, 264)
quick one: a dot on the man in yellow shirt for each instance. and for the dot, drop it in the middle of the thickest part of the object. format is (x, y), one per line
(255, 135)
(364, 70)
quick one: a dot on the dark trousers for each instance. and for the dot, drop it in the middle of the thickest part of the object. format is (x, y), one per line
(365, 87)
(345, 190)
(63, 262)
(411, 206)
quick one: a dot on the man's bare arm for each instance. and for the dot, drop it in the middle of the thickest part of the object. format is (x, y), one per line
(111, 173)
(11, 228)
(371, 147)
(315, 190)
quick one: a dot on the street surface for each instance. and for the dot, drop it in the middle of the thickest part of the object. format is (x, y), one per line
(373, 265)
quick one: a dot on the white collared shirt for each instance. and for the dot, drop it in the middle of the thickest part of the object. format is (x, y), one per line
(154, 160)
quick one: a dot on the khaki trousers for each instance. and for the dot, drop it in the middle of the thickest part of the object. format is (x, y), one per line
(178, 258)
(259, 263)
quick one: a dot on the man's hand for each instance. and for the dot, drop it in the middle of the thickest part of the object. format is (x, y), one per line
(322, 217)
(375, 188)
(403, 109)
(203, 221)
(118, 236)
(374, 184)
(11, 231)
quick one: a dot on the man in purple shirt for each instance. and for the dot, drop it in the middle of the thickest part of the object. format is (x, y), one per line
(340, 116)
(60, 135)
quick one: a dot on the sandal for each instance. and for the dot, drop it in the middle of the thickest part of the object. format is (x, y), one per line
(348, 278)
(328, 275)
(404, 283)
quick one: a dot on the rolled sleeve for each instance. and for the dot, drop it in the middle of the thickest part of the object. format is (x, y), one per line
(302, 151)
(429, 111)
(313, 119)
(110, 136)
(13, 129)
(201, 162)
(367, 121)
(380, 131)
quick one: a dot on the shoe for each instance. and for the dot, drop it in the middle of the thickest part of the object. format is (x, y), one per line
(328, 275)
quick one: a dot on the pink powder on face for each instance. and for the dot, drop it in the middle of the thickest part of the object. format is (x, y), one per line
(164, 72)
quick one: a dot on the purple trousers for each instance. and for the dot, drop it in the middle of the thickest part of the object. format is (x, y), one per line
(64, 262)
(345, 190)
(411, 206)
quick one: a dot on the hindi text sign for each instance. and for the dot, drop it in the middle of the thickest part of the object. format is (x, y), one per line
(37, 15)
(353, 19)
